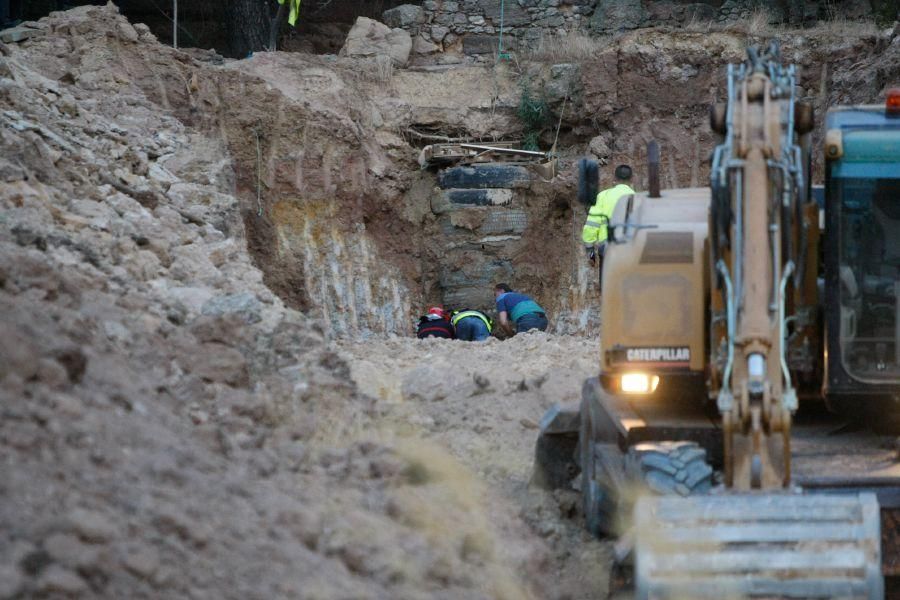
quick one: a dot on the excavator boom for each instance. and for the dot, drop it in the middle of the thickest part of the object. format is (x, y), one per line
(775, 541)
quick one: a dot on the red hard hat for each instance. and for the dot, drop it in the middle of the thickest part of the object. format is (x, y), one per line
(436, 310)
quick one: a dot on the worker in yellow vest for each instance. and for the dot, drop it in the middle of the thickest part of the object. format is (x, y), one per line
(594, 232)
(471, 325)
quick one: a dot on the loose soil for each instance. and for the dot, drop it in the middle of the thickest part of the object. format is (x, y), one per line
(208, 277)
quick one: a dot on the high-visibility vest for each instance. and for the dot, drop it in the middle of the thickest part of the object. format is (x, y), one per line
(471, 313)
(594, 230)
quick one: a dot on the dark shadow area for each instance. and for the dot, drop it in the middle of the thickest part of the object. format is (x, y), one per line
(232, 27)
(324, 24)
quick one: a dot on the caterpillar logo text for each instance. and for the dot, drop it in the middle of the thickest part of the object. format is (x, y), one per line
(658, 355)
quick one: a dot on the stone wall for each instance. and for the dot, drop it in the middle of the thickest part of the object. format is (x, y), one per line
(473, 27)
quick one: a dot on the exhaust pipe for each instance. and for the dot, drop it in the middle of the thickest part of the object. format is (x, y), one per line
(653, 168)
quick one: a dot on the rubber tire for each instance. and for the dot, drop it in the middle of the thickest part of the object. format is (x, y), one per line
(483, 176)
(670, 468)
(588, 181)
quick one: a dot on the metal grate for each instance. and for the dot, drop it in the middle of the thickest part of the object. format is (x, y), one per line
(504, 221)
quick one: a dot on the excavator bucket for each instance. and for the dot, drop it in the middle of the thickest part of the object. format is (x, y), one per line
(557, 445)
(758, 546)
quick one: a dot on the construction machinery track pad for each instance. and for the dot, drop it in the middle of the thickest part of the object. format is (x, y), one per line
(763, 545)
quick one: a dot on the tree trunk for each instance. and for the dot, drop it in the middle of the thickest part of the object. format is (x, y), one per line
(247, 25)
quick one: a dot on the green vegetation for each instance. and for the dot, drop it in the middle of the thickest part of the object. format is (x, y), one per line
(534, 114)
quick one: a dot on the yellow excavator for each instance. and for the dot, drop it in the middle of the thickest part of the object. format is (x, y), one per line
(737, 439)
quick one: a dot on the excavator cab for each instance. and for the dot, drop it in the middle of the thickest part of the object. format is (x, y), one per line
(862, 261)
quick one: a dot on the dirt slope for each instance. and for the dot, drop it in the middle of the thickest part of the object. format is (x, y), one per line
(169, 428)
(482, 401)
(172, 427)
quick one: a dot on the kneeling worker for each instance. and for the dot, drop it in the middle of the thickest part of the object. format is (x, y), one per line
(435, 324)
(471, 325)
(513, 307)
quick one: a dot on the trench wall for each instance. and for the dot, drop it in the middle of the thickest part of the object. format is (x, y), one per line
(346, 226)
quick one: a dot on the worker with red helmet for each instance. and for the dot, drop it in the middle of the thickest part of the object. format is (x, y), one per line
(435, 324)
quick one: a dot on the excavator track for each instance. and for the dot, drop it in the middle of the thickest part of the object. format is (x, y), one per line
(758, 546)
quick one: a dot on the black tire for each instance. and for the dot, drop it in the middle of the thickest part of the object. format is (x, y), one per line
(588, 181)
(670, 468)
(485, 176)
(485, 197)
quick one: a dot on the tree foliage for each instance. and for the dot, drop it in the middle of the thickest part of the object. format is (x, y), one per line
(533, 112)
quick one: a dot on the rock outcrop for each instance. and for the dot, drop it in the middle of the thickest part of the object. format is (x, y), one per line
(405, 15)
(617, 15)
(370, 39)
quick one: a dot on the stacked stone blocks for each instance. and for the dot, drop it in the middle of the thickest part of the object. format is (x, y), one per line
(473, 27)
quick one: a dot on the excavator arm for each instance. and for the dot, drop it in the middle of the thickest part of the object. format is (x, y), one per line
(758, 172)
(758, 536)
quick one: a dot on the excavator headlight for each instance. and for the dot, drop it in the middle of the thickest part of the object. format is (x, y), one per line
(638, 383)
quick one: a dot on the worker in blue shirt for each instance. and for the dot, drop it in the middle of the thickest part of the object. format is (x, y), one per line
(518, 309)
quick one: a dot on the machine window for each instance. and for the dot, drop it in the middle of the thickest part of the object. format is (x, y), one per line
(870, 277)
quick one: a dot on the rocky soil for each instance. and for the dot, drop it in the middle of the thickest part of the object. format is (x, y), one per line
(170, 429)
(481, 402)
(203, 266)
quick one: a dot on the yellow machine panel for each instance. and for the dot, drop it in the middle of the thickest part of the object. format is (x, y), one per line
(655, 278)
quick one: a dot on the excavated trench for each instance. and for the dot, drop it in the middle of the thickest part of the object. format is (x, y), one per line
(198, 438)
(352, 230)
(345, 224)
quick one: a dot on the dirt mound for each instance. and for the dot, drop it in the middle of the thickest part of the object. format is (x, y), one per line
(482, 401)
(170, 428)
